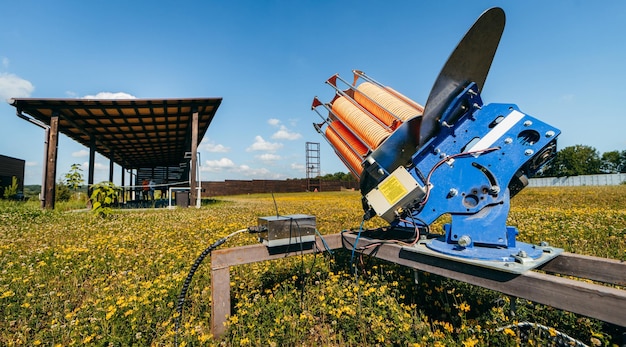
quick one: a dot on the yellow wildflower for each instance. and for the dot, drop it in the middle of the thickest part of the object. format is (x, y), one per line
(510, 332)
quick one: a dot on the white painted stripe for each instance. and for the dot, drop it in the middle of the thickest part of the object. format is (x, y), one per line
(505, 125)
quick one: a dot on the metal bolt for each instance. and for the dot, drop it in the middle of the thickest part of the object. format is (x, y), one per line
(494, 190)
(544, 244)
(528, 123)
(381, 172)
(508, 140)
(549, 133)
(453, 192)
(522, 254)
(529, 152)
(465, 241)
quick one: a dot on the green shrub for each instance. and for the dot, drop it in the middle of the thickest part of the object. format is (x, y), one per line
(103, 197)
(62, 192)
(11, 191)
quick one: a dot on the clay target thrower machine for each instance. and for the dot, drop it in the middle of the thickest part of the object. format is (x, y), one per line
(456, 155)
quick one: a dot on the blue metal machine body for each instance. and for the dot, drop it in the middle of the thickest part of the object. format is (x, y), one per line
(481, 155)
(462, 158)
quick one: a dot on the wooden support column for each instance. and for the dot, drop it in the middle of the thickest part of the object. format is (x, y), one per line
(123, 184)
(133, 184)
(194, 157)
(223, 259)
(220, 294)
(111, 163)
(92, 162)
(51, 162)
(42, 194)
(595, 300)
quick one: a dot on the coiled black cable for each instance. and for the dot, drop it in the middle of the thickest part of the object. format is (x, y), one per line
(192, 271)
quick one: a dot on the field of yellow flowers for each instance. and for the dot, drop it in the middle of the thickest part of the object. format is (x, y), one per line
(70, 278)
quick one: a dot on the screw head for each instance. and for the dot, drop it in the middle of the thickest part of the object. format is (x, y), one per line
(465, 241)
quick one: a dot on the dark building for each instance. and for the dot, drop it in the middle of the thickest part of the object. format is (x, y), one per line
(10, 167)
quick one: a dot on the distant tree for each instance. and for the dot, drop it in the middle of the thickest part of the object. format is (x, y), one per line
(103, 198)
(612, 162)
(575, 160)
(62, 192)
(74, 178)
(10, 191)
(338, 176)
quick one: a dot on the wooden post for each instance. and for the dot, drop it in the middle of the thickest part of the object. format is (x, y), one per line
(51, 162)
(42, 197)
(123, 184)
(603, 302)
(223, 259)
(92, 162)
(111, 163)
(194, 157)
(220, 306)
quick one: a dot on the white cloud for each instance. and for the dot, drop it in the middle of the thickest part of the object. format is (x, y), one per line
(273, 121)
(217, 165)
(13, 86)
(226, 165)
(261, 145)
(248, 171)
(109, 95)
(81, 153)
(297, 166)
(213, 147)
(97, 166)
(268, 157)
(31, 163)
(5, 62)
(284, 134)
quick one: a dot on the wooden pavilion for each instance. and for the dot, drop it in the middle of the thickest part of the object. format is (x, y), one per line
(155, 137)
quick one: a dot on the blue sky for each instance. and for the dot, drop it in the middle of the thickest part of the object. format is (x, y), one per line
(563, 62)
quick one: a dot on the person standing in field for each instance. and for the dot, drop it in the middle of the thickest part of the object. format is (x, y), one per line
(151, 188)
(146, 187)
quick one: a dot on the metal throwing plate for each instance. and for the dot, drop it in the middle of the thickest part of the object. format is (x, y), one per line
(516, 267)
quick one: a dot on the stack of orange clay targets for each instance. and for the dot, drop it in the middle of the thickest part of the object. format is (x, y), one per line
(360, 118)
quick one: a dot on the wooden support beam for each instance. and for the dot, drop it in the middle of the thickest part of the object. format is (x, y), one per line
(123, 185)
(111, 164)
(42, 197)
(584, 266)
(51, 162)
(223, 259)
(592, 300)
(92, 164)
(598, 301)
(220, 300)
(194, 157)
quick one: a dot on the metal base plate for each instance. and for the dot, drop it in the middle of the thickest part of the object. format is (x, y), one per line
(506, 260)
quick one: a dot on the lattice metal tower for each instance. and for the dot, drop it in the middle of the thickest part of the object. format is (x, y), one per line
(313, 170)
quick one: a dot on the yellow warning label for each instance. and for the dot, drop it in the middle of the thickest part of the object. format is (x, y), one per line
(392, 190)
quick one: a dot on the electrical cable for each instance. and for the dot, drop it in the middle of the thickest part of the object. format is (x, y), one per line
(323, 242)
(356, 241)
(194, 267)
(561, 339)
(444, 160)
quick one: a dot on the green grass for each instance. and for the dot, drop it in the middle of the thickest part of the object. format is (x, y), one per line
(68, 278)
